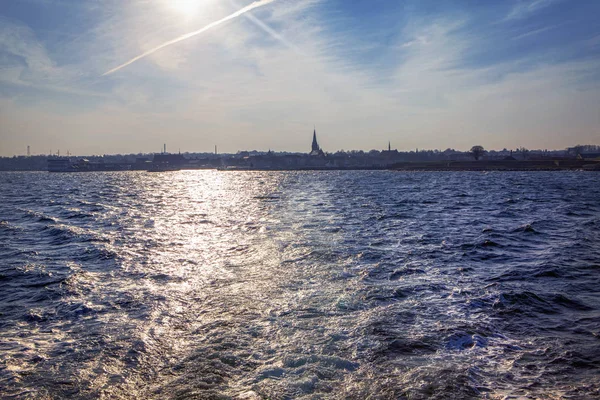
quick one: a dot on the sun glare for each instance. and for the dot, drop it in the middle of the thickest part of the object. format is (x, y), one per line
(185, 7)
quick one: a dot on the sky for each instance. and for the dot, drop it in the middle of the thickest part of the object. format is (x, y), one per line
(427, 74)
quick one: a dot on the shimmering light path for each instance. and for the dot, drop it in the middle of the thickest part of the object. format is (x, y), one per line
(299, 285)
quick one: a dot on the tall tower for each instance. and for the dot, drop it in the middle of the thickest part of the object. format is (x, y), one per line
(28, 152)
(315, 145)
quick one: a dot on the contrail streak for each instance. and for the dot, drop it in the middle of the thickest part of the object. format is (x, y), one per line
(236, 14)
(271, 32)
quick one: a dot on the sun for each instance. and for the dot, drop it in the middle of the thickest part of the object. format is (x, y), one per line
(185, 7)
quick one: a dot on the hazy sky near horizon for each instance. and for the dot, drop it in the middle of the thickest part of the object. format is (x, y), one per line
(418, 73)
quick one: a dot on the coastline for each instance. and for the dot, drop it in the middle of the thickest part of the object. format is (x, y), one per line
(433, 166)
(501, 165)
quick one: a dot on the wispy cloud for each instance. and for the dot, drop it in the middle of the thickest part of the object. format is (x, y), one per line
(27, 63)
(21, 48)
(526, 8)
(535, 32)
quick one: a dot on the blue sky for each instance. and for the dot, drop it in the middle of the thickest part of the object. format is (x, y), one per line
(419, 73)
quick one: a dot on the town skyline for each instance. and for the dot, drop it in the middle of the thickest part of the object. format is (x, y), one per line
(315, 149)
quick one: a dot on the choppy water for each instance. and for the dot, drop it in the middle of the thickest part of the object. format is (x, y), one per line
(204, 284)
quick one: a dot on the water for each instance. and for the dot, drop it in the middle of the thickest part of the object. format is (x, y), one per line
(282, 285)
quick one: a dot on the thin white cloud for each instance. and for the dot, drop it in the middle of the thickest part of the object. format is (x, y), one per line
(26, 63)
(19, 41)
(536, 32)
(526, 8)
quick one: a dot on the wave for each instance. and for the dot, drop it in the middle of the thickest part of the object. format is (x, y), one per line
(61, 234)
(531, 302)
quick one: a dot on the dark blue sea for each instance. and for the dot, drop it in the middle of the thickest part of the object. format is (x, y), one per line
(300, 285)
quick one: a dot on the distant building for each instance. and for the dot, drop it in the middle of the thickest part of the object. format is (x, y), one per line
(172, 159)
(389, 152)
(316, 150)
(60, 164)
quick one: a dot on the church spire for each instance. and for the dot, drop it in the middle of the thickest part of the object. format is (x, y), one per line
(315, 145)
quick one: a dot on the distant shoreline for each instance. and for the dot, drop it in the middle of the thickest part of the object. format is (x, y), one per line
(434, 166)
(458, 166)
(501, 165)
